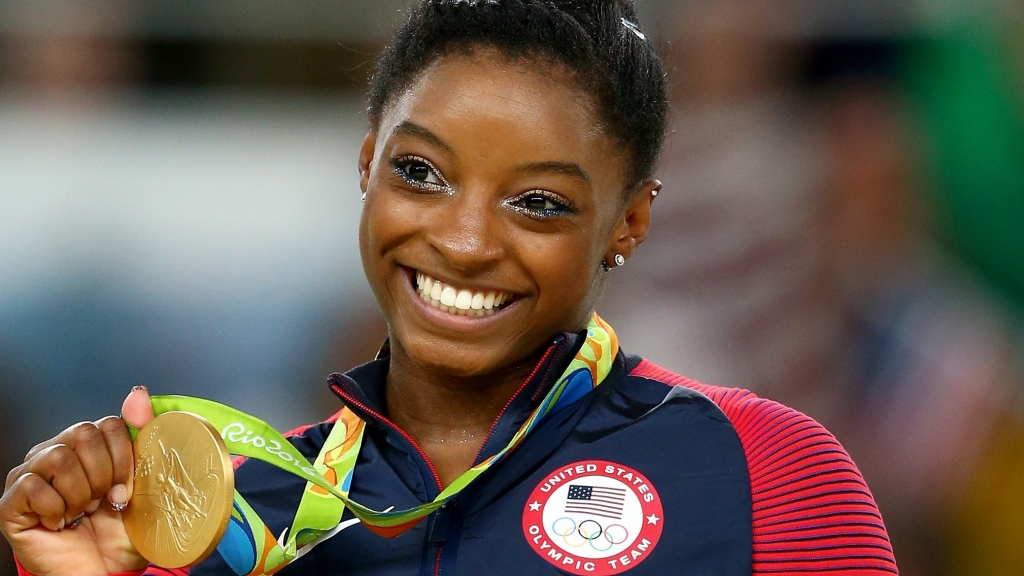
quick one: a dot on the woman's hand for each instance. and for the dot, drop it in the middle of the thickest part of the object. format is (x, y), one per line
(60, 509)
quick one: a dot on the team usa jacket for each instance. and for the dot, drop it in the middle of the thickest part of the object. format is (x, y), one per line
(649, 474)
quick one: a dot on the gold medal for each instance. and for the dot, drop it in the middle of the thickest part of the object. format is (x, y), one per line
(184, 489)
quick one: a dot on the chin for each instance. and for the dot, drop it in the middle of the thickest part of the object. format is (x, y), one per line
(456, 359)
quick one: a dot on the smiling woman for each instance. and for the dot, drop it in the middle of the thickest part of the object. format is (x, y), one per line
(507, 171)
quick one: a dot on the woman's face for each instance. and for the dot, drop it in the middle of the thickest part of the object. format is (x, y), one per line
(492, 196)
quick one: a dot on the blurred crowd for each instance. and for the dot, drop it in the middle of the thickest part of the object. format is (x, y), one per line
(842, 230)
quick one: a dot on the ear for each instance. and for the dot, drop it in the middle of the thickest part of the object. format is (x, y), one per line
(366, 160)
(631, 229)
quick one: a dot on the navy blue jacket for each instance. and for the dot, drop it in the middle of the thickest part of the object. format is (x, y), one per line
(650, 473)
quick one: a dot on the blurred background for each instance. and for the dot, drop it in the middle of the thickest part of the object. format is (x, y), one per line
(842, 227)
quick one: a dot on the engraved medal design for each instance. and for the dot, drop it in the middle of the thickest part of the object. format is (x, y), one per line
(184, 489)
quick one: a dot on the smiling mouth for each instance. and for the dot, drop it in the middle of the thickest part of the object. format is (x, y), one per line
(460, 301)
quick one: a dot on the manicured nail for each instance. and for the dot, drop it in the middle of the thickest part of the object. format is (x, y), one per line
(137, 388)
(61, 525)
(119, 497)
(118, 507)
(75, 521)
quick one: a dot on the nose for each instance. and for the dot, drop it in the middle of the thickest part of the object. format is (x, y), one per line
(468, 233)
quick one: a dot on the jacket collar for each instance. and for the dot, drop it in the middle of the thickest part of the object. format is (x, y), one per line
(362, 390)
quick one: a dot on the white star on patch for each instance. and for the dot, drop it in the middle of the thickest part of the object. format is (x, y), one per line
(652, 519)
(535, 506)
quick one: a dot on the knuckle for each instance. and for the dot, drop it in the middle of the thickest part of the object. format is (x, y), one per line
(111, 425)
(61, 457)
(37, 449)
(85, 435)
(26, 483)
(13, 476)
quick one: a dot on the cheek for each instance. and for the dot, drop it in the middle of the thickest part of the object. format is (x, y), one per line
(387, 221)
(562, 268)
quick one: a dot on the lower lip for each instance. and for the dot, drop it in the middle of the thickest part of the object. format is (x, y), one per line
(454, 321)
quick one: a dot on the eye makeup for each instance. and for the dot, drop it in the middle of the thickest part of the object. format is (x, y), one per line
(420, 173)
(541, 204)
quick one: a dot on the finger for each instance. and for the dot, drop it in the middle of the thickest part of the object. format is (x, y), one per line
(89, 445)
(62, 438)
(122, 458)
(137, 409)
(41, 446)
(13, 476)
(31, 501)
(60, 467)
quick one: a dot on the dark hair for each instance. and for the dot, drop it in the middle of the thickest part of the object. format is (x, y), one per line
(598, 40)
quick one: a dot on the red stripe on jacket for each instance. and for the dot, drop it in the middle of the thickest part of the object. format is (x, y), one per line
(812, 510)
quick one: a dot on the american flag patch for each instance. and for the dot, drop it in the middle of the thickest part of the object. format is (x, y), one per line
(595, 501)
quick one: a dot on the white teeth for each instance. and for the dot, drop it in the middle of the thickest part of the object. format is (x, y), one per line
(448, 296)
(464, 300)
(459, 302)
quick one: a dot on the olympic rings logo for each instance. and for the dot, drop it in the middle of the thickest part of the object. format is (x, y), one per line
(589, 532)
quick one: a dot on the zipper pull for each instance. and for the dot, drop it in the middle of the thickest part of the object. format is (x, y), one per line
(439, 522)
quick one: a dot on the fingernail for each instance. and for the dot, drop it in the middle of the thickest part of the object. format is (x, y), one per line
(74, 521)
(119, 497)
(137, 388)
(61, 525)
(92, 507)
(118, 507)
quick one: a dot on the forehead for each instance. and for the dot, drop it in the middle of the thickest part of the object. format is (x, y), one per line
(491, 103)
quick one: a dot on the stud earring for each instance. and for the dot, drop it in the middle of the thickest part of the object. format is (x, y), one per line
(363, 197)
(654, 193)
(619, 261)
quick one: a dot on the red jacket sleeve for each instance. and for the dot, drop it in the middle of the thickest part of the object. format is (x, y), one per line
(812, 510)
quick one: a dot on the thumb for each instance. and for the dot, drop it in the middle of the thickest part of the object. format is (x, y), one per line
(137, 410)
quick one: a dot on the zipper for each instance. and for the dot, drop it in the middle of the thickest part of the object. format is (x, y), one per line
(380, 417)
(349, 399)
(511, 400)
(336, 387)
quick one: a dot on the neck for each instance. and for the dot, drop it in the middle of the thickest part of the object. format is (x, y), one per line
(449, 417)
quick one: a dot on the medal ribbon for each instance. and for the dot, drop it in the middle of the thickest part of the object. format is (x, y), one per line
(249, 547)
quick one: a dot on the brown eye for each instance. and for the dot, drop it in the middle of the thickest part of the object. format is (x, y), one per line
(538, 202)
(418, 172)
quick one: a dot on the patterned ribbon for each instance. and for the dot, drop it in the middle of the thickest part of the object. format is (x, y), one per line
(249, 547)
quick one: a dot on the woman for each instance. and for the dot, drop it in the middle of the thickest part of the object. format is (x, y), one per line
(506, 175)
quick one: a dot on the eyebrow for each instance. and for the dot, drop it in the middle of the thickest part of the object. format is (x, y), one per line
(566, 168)
(411, 129)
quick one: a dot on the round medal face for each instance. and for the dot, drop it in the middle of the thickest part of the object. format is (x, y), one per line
(593, 517)
(184, 490)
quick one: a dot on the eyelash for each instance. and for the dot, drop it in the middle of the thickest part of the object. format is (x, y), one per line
(403, 162)
(562, 206)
